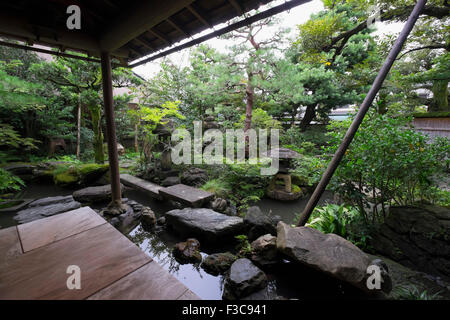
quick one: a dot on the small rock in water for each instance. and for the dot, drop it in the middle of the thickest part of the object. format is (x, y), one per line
(161, 220)
(218, 263)
(148, 218)
(188, 251)
(244, 279)
(264, 249)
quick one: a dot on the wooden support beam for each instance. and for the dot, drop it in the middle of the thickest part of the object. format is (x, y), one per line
(14, 28)
(198, 15)
(55, 53)
(340, 152)
(137, 20)
(176, 26)
(111, 130)
(159, 35)
(236, 6)
(145, 43)
(242, 23)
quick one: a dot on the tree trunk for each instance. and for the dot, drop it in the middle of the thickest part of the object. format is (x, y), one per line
(249, 105)
(78, 128)
(99, 154)
(440, 96)
(308, 117)
(136, 144)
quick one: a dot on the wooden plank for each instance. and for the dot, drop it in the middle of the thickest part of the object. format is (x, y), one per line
(188, 295)
(152, 189)
(9, 244)
(102, 253)
(41, 232)
(151, 282)
(187, 195)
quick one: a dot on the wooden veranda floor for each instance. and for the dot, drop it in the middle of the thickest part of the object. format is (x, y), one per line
(34, 258)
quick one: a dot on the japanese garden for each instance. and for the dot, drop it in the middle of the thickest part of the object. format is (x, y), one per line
(229, 228)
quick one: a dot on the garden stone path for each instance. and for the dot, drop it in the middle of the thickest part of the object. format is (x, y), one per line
(150, 188)
(184, 194)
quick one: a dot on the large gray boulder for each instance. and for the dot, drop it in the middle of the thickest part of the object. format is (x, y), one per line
(328, 253)
(258, 223)
(244, 279)
(94, 194)
(46, 207)
(204, 223)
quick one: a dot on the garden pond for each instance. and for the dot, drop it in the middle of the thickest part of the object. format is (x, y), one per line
(286, 280)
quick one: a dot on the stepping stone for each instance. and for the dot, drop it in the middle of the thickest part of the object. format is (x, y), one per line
(187, 195)
(205, 223)
(45, 208)
(94, 194)
(152, 189)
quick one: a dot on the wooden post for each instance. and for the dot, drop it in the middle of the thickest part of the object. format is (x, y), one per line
(398, 45)
(78, 126)
(111, 130)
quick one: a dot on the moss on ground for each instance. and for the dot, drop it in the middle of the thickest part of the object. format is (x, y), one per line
(84, 174)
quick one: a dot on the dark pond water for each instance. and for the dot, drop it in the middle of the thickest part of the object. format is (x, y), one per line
(286, 279)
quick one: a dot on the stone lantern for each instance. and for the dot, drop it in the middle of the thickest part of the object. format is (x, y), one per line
(284, 191)
(164, 132)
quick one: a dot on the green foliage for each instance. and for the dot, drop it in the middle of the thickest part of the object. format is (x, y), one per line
(413, 293)
(219, 187)
(9, 182)
(332, 218)
(13, 143)
(260, 120)
(343, 220)
(309, 168)
(244, 247)
(388, 162)
(241, 182)
(149, 117)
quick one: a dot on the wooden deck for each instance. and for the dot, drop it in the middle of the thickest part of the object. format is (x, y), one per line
(34, 258)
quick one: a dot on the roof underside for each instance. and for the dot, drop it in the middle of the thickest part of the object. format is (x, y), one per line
(129, 30)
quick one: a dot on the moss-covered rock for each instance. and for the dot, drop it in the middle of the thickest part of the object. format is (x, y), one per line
(90, 172)
(79, 175)
(66, 177)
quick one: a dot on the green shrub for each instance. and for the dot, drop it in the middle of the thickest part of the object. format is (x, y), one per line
(260, 120)
(219, 187)
(413, 293)
(332, 218)
(308, 170)
(244, 248)
(343, 220)
(387, 163)
(9, 182)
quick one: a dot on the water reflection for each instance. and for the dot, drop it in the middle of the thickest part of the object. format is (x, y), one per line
(158, 244)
